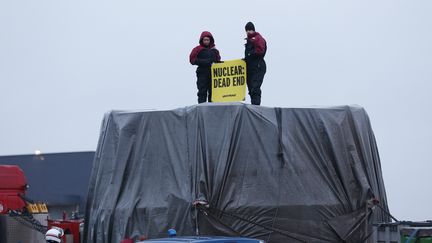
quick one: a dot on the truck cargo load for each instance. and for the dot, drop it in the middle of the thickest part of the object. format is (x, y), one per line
(231, 169)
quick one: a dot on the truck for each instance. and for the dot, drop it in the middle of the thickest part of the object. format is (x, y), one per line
(15, 204)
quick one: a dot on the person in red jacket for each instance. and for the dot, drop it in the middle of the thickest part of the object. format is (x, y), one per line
(203, 56)
(255, 50)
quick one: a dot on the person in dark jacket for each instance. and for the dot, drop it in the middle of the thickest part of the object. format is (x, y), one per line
(204, 55)
(255, 50)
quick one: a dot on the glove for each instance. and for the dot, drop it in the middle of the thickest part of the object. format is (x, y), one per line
(199, 62)
(203, 62)
(251, 53)
(209, 61)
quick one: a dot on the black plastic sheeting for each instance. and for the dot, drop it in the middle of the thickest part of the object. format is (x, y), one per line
(278, 174)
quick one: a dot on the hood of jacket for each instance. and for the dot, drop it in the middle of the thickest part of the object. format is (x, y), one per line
(209, 35)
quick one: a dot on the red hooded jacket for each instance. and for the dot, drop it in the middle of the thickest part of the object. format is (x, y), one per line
(255, 47)
(194, 54)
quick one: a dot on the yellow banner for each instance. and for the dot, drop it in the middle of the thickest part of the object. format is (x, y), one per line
(229, 81)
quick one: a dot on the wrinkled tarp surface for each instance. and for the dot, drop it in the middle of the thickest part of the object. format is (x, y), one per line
(278, 174)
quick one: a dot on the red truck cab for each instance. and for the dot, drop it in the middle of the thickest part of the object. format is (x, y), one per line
(13, 184)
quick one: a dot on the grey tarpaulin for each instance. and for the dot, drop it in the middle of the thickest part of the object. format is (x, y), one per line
(278, 174)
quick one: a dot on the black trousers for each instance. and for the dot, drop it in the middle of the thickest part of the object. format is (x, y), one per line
(255, 76)
(204, 85)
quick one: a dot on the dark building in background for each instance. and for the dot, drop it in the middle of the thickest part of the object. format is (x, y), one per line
(58, 179)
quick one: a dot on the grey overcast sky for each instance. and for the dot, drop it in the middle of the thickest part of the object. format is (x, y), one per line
(63, 64)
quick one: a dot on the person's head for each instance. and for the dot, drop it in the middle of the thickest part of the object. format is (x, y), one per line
(206, 39)
(250, 28)
(54, 235)
(172, 233)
